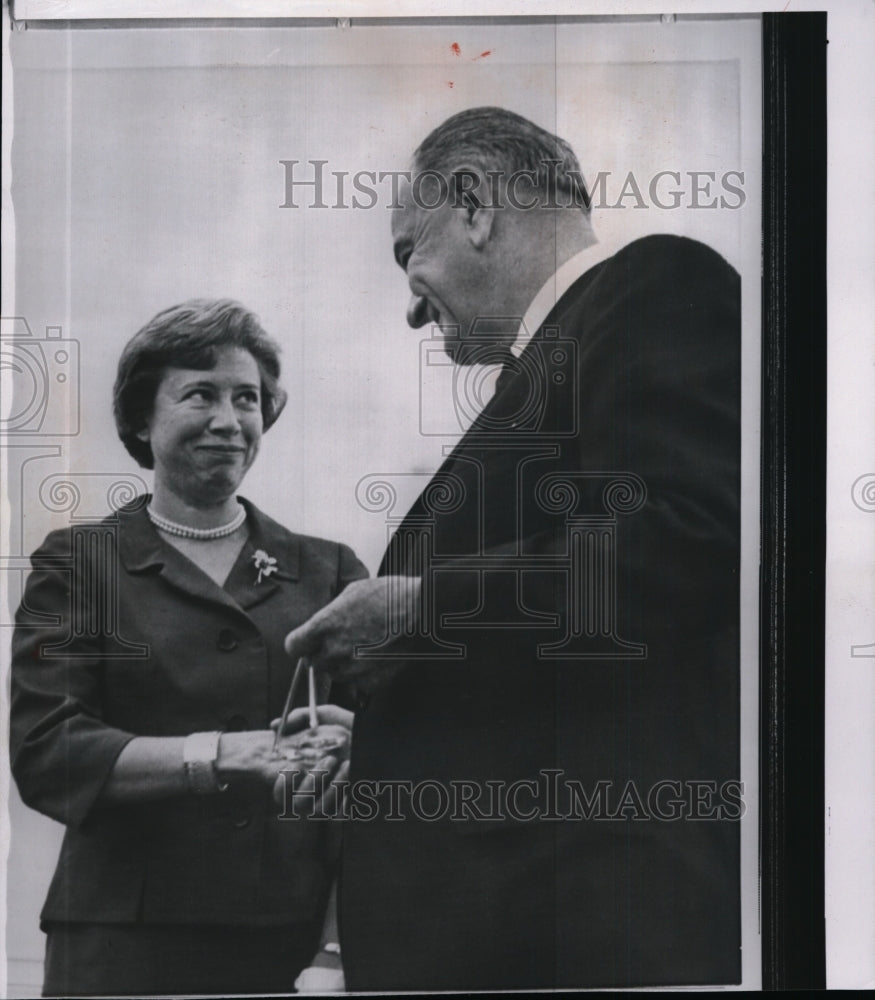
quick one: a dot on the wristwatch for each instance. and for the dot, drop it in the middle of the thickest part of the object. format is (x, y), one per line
(199, 754)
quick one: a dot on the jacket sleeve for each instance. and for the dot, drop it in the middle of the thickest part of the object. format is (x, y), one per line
(350, 568)
(61, 749)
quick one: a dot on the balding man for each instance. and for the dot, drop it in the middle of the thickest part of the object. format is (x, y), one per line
(549, 720)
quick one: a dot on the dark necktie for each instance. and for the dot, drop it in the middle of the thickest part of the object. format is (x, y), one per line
(508, 370)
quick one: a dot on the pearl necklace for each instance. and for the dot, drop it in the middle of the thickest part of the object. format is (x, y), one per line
(199, 534)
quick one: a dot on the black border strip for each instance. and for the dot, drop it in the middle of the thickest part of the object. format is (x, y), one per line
(793, 501)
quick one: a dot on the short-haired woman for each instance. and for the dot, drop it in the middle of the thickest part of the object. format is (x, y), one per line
(176, 874)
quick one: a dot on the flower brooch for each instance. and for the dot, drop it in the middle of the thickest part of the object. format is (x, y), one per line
(264, 563)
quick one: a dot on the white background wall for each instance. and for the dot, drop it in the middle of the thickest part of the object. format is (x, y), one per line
(146, 171)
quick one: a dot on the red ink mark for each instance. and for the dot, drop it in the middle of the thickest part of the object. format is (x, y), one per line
(449, 83)
(483, 55)
(455, 49)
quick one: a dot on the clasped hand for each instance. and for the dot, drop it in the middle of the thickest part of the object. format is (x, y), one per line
(250, 767)
(317, 791)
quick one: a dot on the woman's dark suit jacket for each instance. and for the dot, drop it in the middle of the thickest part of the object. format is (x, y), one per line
(119, 635)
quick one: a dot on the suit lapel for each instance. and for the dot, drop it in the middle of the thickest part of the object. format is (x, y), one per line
(181, 573)
(266, 541)
(468, 465)
(496, 421)
(142, 550)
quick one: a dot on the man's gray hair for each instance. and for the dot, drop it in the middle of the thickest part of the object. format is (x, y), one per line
(500, 141)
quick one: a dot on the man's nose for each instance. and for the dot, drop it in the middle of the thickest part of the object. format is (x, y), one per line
(417, 312)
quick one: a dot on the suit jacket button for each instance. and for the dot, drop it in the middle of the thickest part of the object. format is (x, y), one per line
(242, 822)
(227, 640)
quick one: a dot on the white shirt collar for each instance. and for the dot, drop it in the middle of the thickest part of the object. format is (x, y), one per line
(556, 286)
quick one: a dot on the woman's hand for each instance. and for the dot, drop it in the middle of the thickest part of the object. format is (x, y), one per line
(320, 791)
(333, 733)
(332, 715)
(246, 761)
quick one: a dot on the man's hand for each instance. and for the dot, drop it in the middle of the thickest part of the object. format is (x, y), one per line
(366, 613)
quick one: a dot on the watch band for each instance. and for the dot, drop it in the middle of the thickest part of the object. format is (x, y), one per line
(199, 754)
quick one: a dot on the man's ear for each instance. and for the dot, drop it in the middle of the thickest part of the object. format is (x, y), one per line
(471, 196)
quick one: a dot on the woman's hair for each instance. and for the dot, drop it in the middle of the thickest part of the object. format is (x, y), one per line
(189, 335)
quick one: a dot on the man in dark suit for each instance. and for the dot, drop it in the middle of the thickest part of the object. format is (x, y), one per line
(549, 658)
